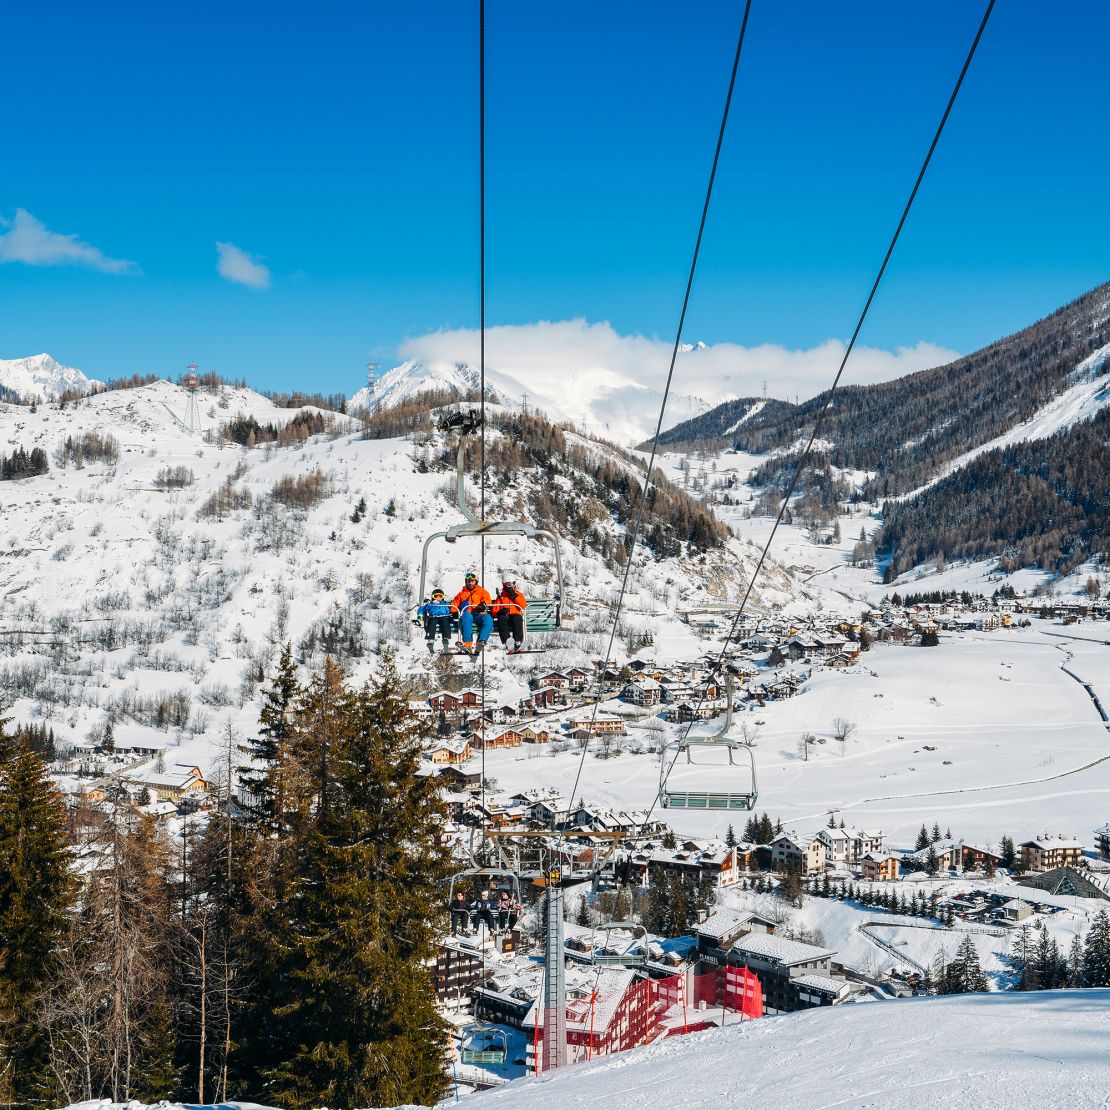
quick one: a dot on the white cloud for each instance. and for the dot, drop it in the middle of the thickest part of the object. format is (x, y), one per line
(29, 241)
(236, 264)
(591, 374)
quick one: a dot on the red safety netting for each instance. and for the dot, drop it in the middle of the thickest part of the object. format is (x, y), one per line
(637, 1013)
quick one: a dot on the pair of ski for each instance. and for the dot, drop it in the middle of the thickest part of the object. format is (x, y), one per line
(479, 647)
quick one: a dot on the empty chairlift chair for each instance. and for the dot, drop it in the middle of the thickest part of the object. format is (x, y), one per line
(709, 772)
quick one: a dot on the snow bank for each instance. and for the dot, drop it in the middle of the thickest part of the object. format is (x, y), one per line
(1018, 1050)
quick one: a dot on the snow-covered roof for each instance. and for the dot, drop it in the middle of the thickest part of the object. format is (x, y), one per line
(821, 983)
(1050, 843)
(723, 922)
(780, 950)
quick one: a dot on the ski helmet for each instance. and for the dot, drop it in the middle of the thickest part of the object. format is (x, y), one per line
(471, 574)
(437, 592)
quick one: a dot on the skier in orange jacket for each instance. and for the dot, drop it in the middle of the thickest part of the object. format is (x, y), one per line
(508, 614)
(473, 604)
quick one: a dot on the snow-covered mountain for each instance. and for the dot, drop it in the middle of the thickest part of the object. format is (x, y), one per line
(597, 399)
(184, 562)
(41, 376)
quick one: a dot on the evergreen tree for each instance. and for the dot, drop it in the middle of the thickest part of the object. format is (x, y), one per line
(345, 1019)
(1021, 955)
(932, 861)
(1096, 952)
(1075, 962)
(35, 892)
(936, 833)
(669, 841)
(730, 837)
(964, 974)
(582, 917)
(922, 841)
(262, 779)
(1008, 852)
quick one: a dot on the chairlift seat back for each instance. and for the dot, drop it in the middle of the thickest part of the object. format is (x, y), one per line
(542, 615)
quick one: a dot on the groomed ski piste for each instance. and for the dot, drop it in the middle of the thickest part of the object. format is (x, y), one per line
(1039, 1051)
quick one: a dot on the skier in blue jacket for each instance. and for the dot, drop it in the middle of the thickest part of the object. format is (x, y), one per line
(436, 613)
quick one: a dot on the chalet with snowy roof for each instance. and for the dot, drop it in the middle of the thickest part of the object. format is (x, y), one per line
(1048, 852)
(461, 780)
(555, 680)
(847, 846)
(694, 711)
(976, 857)
(714, 863)
(446, 702)
(644, 691)
(604, 722)
(579, 678)
(506, 738)
(422, 710)
(534, 735)
(878, 867)
(452, 750)
(170, 786)
(947, 853)
(804, 854)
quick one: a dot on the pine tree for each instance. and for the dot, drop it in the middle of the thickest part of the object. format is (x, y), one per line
(35, 893)
(936, 833)
(922, 841)
(932, 861)
(345, 1019)
(1021, 955)
(730, 837)
(1075, 962)
(964, 974)
(1008, 852)
(1096, 952)
(262, 779)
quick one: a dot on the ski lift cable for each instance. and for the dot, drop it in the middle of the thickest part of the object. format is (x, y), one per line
(819, 423)
(482, 357)
(635, 535)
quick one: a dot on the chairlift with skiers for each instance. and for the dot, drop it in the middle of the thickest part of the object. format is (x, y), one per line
(541, 615)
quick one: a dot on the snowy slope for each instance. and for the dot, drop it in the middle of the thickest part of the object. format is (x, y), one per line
(1045, 1050)
(41, 376)
(1089, 393)
(149, 595)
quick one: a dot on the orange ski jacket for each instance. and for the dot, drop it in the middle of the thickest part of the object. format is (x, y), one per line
(512, 601)
(471, 599)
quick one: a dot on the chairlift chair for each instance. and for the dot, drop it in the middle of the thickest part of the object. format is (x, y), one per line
(543, 614)
(471, 880)
(723, 783)
(484, 1044)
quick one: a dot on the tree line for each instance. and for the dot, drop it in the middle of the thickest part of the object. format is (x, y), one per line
(21, 464)
(1043, 503)
(274, 951)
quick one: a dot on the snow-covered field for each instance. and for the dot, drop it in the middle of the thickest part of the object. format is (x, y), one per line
(1035, 1051)
(984, 734)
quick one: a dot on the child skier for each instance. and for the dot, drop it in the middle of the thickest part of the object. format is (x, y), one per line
(436, 614)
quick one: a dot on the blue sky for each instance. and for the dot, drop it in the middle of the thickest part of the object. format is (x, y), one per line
(336, 145)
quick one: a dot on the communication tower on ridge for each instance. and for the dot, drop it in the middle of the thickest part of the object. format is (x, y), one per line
(371, 396)
(192, 410)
